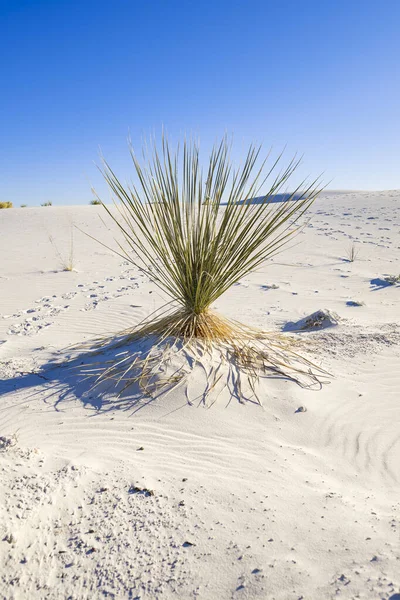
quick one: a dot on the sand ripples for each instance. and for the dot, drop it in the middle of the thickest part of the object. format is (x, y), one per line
(364, 429)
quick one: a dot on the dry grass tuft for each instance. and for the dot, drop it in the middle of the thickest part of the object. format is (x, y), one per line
(392, 279)
(67, 261)
(352, 253)
(6, 204)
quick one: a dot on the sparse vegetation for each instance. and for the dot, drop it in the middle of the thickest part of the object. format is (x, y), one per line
(24, 205)
(6, 204)
(47, 204)
(175, 232)
(8, 442)
(67, 261)
(352, 253)
(392, 279)
(95, 202)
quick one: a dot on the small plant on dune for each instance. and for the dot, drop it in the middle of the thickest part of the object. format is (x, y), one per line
(24, 205)
(95, 202)
(392, 279)
(67, 260)
(352, 253)
(195, 237)
(47, 203)
(6, 204)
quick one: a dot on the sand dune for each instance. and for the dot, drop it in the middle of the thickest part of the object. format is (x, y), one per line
(141, 498)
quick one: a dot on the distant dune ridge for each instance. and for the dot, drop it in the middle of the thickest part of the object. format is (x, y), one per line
(256, 200)
(164, 498)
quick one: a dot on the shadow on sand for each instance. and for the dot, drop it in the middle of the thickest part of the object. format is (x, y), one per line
(379, 284)
(68, 377)
(64, 379)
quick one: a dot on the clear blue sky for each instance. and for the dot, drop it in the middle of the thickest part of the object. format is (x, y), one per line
(322, 77)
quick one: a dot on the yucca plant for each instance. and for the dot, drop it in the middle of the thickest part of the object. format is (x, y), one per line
(195, 236)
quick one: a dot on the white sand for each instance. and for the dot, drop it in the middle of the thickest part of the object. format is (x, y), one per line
(278, 504)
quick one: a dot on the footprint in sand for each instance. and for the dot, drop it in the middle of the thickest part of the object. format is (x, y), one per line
(39, 320)
(68, 295)
(27, 328)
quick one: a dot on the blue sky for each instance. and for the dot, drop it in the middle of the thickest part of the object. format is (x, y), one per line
(322, 78)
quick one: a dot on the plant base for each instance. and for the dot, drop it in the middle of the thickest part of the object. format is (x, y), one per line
(162, 353)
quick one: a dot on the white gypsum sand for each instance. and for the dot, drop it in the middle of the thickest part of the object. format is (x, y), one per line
(146, 498)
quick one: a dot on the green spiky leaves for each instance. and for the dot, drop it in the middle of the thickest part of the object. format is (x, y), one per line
(194, 235)
(196, 229)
